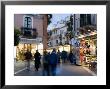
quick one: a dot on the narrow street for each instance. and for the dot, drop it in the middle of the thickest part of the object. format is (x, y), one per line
(62, 70)
(56, 36)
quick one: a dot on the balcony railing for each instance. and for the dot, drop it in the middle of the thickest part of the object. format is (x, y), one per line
(29, 32)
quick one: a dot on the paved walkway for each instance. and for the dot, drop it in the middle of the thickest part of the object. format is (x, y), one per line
(62, 70)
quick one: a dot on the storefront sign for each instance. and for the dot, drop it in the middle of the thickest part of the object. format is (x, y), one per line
(30, 41)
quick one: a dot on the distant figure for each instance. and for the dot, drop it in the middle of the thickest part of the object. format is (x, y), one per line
(37, 57)
(77, 55)
(28, 57)
(59, 55)
(53, 62)
(70, 57)
(46, 58)
(64, 56)
(74, 56)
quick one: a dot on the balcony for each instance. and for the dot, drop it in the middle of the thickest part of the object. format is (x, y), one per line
(29, 33)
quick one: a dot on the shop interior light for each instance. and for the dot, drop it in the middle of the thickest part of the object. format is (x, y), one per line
(80, 47)
(89, 30)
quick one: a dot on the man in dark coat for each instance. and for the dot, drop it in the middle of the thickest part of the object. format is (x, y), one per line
(37, 57)
(53, 62)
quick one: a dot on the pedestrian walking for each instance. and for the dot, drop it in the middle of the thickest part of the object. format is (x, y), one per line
(46, 58)
(28, 57)
(37, 57)
(64, 56)
(53, 62)
(74, 56)
(59, 55)
(71, 57)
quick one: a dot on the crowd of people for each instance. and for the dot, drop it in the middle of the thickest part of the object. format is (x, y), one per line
(49, 60)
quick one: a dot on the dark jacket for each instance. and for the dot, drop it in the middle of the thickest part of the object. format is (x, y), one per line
(46, 59)
(28, 55)
(37, 56)
(58, 55)
(64, 54)
(53, 58)
(70, 56)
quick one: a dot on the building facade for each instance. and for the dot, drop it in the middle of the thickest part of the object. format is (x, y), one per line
(58, 36)
(33, 28)
(57, 39)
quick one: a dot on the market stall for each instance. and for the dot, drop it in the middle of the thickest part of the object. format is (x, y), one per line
(88, 51)
(88, 46)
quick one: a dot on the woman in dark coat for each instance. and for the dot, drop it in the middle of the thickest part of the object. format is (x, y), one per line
(37, 57)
